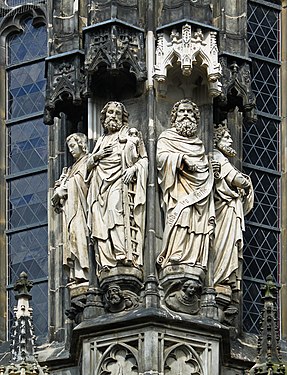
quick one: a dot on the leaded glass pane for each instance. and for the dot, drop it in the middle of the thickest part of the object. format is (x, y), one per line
(28, 253)
(26, 90)
(252, 305)
(27, 144)
(266, 200)
(260, 253)
(261, 143)
(28, 45)
(39, 304)
(265, 86)
(27, 200)
(263, 31)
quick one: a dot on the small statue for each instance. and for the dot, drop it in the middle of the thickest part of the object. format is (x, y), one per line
(70, 197)
(234, 198)
(187, 299)
(117, 172)
(117, 300)
(186, 180)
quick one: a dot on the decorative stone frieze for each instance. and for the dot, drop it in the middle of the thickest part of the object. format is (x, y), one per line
(188, 47)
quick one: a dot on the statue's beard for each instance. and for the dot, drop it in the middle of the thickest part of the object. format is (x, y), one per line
(115, 300)
(112, 124)
(186, 128)
(227, 151)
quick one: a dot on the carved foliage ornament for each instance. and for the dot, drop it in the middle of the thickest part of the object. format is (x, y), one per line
(189, 48)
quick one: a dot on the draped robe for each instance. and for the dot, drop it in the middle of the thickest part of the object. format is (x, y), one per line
(231, 204)
(75, 218)
(187, 199)
(107, 193)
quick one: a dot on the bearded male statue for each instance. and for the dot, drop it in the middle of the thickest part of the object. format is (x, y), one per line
(234, 198)
(186, 180)
(117, 174)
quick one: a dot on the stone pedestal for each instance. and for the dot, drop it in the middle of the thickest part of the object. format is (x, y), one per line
(142, 348)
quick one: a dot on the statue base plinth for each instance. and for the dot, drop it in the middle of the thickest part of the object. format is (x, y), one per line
(180, 272)
(128, 278)
(78, 289)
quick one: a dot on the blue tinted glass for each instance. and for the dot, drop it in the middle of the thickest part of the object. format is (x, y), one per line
(28, 252)
(30, 44)
(39, 303)
(26, 90)
(27, 200)
(27, 144)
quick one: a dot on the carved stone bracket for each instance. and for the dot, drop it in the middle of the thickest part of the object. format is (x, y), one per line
(65, 83)
(184, 296)
(189, 47)
(236, 90)
(117, 300)
(114, 51)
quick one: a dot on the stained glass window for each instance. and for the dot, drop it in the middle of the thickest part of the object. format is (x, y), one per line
(28, 200)
(27, 232)
(30, 44)
(26, 90)
(261, 150)
(28, 252)
(27, 144)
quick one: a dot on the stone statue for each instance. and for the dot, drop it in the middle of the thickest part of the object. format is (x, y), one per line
(117, 172)
(234, 198)
(186, 180)
(70, 196)
(187, 299)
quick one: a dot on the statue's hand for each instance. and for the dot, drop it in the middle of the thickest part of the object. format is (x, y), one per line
(59, 194)
(94, 158)
(189, 163)
(216, 167)
(102, 153)
(128, 174)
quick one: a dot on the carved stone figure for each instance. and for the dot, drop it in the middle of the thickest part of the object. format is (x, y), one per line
(233, 199)
(117, 173)
(70, 196)
(118, 300)
(187, 299)
(186, 181)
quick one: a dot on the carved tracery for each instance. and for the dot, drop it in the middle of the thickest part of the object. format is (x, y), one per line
(114, 52)
(119, 360)
(180, 359)
(65, 84)
(187, 48)
(236, 90)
